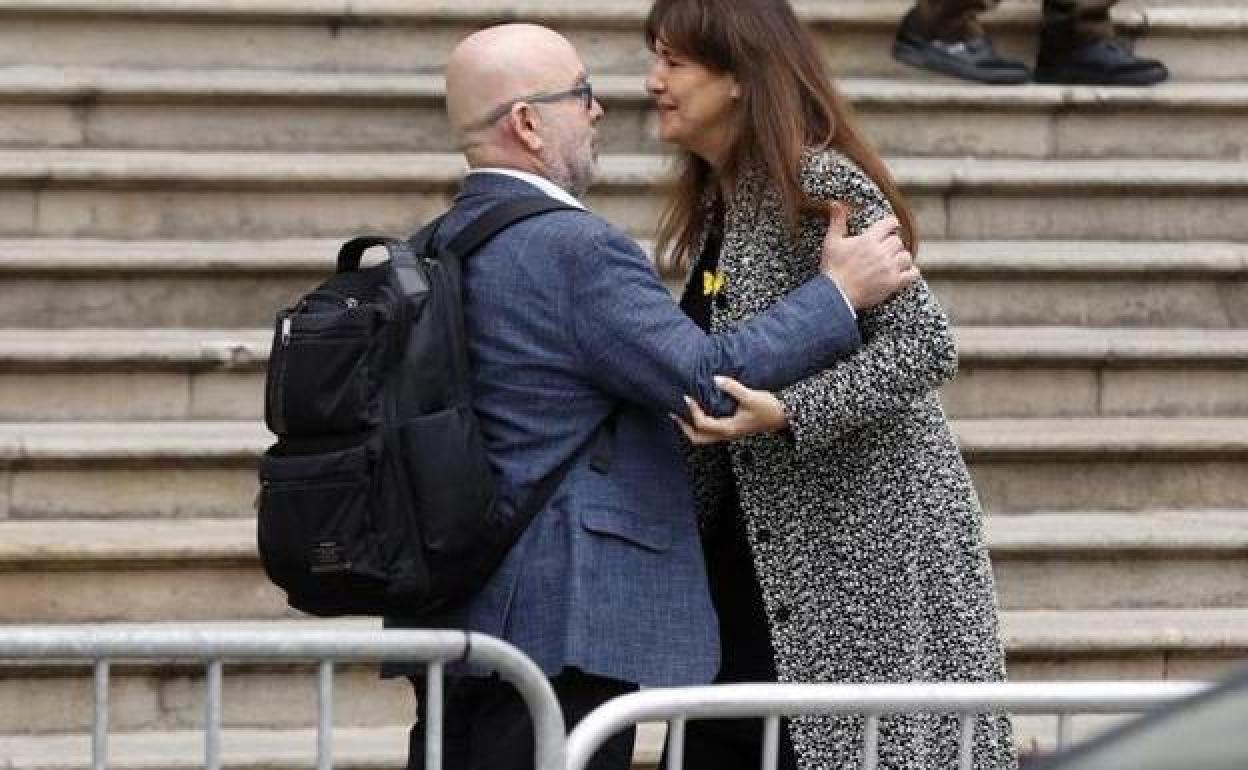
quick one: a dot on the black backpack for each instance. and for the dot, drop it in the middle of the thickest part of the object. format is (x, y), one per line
(378, 497)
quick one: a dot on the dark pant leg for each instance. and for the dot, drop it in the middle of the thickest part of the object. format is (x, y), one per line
(731, 744)
(948, 19)
(486, 725)
(745, 651)
(581, 693)
(1071, 23)
(460, 702)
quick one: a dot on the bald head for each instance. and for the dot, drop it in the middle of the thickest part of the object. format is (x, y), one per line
(510, 67)
(496, 65)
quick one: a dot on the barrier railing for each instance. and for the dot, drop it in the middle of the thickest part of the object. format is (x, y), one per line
(99, 648)
(770, 702)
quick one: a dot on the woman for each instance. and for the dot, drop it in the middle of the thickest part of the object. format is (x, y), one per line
(845, 546)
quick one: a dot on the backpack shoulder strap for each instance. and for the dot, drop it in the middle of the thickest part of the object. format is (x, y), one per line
(499, 218)
(473, 237)
(422, 242)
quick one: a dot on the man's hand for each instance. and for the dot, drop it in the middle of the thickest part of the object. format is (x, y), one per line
(757, 412)
(869, 268)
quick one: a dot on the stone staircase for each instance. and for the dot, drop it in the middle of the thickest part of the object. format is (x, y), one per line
(173, 171)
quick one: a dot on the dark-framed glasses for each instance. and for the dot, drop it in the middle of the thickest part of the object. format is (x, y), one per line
(583, 91)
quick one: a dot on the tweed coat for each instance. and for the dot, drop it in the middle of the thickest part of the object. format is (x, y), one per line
(863, 522)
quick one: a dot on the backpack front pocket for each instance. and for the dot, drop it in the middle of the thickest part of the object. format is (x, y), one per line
(312, 529)
(321, 377)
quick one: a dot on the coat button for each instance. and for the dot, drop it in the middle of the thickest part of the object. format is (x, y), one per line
(783, 614)
(763, 536)
(721, 301)
(746, 456)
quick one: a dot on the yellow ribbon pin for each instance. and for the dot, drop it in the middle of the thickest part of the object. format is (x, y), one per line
(712, 283)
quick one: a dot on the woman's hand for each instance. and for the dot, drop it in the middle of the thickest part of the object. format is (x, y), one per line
(758, 411)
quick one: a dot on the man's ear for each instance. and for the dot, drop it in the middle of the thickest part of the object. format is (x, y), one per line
(526, 123)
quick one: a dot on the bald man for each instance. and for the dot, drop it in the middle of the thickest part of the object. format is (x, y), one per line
(569, 330)
(494, 129)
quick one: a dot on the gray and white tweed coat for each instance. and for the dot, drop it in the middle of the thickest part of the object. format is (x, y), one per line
(863, 522)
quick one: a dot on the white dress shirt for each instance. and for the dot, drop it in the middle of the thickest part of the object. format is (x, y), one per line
(540, 182)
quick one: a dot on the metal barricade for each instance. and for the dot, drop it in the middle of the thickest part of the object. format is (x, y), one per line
(770, 702)
(434, 648)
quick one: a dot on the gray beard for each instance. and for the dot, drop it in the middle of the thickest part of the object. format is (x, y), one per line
(575, 185)
(575, 181)
(578, 187)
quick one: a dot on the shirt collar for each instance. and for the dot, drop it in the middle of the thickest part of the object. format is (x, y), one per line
(540, 182)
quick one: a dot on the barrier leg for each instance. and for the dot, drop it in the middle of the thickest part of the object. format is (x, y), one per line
(99, 717)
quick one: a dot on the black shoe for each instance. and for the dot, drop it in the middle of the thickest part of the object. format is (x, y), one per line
(967, 59)
(1100, 63)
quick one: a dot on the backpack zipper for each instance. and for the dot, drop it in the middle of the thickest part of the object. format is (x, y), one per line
(277, 410)
(333, 480)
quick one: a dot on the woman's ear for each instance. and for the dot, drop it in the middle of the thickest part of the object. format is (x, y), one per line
(734, 92)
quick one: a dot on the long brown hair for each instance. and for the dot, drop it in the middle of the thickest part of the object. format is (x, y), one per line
(788, 103)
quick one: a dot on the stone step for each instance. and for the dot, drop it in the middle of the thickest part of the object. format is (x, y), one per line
(62, 571)
(375, 112)
(68, 283)
(66, 571)
(989, 283)
(126, 469)
(60, 283)
(151, 194)
(1119, 464)
(44, 699)
(218, 374)
(1063, 371)
(354, 748)
(129, 374)
(1082, 561)
(1197, 40)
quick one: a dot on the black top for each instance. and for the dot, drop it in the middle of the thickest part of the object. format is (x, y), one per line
(704, 283)
(745, 642)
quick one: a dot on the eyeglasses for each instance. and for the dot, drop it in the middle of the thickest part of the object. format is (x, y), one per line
(584, 92)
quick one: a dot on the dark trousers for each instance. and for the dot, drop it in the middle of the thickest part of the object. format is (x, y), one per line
(486, 725)
(1067, 23)
(745, 650)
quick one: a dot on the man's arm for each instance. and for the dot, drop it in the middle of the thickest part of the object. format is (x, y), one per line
(638, 345)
